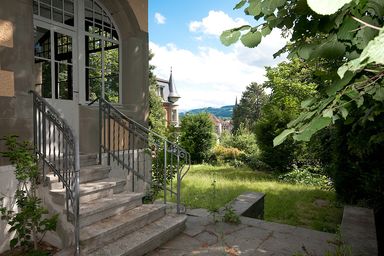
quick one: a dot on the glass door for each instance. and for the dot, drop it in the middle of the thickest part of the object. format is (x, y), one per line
(55, 69)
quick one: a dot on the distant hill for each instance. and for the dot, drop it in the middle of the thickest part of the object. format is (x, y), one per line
(224, 112)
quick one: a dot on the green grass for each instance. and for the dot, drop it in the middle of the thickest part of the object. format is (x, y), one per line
(284, 203)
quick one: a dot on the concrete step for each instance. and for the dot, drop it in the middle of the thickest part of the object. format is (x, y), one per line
(87, 174)
(88, 159)
(111, 229)
(93, 211)
(92, 190)
(145, 239)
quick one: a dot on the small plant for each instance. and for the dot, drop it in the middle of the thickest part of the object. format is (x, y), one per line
(230, 215)
(213, 209)
(28, 223)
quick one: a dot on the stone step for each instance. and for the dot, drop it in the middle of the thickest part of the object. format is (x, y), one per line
(93, 211)
(145, 239)
(88, 159)
(92, 190)
(111, 229)
(87, 174)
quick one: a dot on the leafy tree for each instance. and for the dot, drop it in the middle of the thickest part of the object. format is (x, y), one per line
(348, 34)
(248, 111)
(157, 121)
(197, 136)
(290, 83)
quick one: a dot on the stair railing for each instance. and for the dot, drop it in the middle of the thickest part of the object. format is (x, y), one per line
(57, 147)
(137, 149)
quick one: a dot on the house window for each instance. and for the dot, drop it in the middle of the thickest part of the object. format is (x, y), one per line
(61, 11)
(174, 115)
(56, 41)
(53, 59)
(101, 54)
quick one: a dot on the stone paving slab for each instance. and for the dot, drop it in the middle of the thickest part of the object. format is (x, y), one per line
(203, 236)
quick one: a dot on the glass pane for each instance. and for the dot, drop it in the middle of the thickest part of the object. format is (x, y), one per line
(58, 4)
(111, 71)
(88, 4)
(97, 8)
(63, 78)
(98, 18)
(68, 6)
(48, 2)
(45, 11)
(89, 15)
(43, 77)
(93, 83)
(63, 48)
(58, 15)
(35, 8)
(42, 43)
(68, 19)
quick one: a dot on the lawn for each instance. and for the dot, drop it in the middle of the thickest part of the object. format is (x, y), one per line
(284, 203)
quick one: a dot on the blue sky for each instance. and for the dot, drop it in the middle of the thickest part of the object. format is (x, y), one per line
(185, 35)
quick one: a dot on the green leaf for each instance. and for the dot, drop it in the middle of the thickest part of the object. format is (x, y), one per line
(254, 8)
(364, 36)
(269, 6)
(312, 127)
(251, 39)
(372, 53)
(229, 37)
(240, 4)
(328, 113)
(344, 112)
(339, 84)
(346, 29)
(282, 136)
(330, 48)
(326, 7)
(379, 95)
(266, 30)
(308, 102)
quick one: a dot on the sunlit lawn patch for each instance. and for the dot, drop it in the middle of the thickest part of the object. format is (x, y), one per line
(284, 203)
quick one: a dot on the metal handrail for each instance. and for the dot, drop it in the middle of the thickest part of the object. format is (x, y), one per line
(130, 144)
(56, 145)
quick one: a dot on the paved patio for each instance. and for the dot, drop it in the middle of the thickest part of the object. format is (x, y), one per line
(252, 237)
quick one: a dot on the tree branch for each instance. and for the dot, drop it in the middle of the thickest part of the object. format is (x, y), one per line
(365, 23)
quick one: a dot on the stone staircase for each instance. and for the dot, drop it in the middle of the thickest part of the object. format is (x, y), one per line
(113, 221)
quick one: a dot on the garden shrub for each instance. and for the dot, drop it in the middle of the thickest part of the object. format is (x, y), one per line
(306, 177)
(226, 154)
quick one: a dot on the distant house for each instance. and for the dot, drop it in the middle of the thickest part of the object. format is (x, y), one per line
(221, 125)
(166, 89)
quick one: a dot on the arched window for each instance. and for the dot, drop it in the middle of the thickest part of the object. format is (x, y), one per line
(57, 31)
(101, 54)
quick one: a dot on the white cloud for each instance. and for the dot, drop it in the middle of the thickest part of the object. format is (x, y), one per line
(160, 19)
(211, 77)
(215, 23)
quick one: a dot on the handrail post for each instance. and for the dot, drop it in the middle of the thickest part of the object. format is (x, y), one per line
(109, 135)
(77, 198)
(165, 172)
(100, 129)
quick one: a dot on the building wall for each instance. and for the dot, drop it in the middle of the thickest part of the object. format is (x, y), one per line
(16, 74)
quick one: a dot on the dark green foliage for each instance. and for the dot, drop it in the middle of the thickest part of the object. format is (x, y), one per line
(197, 136)
(156, 118)
(29, 222)
(306, 175)
(248, 111)
(269, 126)
(357, 164)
